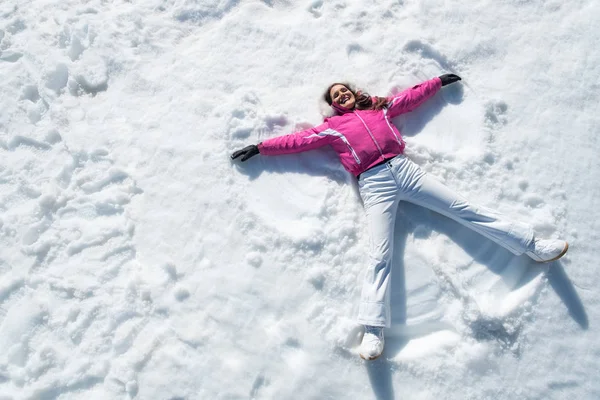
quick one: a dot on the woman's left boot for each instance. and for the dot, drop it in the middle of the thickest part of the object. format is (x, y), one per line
(372, 343)
(543, 250)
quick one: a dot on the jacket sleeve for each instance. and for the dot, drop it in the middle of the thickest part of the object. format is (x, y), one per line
(412, 98)
(297, 142)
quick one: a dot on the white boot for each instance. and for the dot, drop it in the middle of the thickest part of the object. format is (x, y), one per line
(372, 343)
(542, 250)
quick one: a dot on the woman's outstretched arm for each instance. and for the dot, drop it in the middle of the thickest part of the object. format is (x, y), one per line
(412, 98)
(305, 140)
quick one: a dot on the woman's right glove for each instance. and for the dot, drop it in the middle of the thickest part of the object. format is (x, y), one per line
(246, 153)
(449, 78)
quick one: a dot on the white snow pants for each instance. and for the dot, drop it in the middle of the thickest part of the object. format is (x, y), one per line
(381, 188)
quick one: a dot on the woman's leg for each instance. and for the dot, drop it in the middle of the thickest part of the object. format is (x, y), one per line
(380, 195)
(420, 188)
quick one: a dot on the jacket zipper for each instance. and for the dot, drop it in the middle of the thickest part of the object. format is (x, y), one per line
(370, 134)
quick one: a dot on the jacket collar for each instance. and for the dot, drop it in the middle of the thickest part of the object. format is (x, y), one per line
(340, 110)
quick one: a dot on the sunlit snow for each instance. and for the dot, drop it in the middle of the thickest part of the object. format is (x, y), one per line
(137, 261)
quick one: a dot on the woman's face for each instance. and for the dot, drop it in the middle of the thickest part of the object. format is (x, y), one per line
(341, 95)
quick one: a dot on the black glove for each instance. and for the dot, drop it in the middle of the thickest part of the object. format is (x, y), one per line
(449, 78)
(246, 152)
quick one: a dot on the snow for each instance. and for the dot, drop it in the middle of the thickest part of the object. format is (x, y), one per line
(138, 261)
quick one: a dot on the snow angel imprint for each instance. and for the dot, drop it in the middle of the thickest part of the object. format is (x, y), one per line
(371, 148)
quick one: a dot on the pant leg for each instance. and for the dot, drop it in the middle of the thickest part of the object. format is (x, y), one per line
(420, 188)
(380, 195)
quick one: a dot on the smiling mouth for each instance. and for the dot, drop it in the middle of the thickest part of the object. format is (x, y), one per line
(344, 99)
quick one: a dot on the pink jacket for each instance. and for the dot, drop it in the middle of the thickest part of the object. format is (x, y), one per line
(362, 138)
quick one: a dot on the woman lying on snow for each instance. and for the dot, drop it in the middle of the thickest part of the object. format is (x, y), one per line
(371, 148)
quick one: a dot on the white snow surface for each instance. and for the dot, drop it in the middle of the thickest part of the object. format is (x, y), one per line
(138, 261)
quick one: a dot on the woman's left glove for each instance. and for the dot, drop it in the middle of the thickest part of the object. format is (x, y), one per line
(449, 78)
(246, 153)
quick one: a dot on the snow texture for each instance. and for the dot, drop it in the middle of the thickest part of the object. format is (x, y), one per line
(138, 262)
